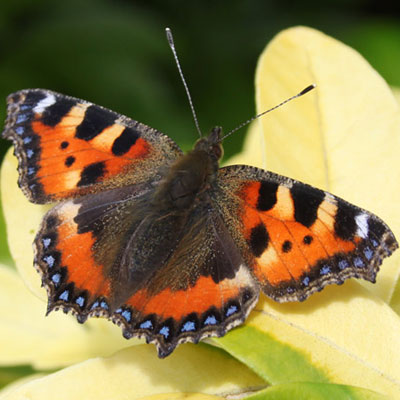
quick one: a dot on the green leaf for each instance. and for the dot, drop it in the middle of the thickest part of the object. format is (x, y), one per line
(315, 391)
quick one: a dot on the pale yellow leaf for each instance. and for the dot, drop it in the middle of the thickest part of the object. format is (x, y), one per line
(27, 336)
(22, 221)
(253, 149)
(19, 382)
(137, 372)
(182, 396)
(396, 93)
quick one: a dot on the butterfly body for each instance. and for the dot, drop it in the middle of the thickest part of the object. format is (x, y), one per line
(168, 245)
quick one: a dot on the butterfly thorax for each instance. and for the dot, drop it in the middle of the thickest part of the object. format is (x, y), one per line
(190, 175)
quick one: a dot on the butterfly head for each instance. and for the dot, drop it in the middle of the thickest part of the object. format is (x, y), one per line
(211, 144)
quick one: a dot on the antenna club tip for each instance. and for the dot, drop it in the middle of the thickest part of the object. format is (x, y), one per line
(169, 36)
(307, 89)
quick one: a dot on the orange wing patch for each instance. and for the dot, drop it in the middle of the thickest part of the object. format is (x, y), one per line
(69, 165)
(66, 262)
(178, 304)
(302, 238)
(77, 255)
(205, 309)
(68, 147)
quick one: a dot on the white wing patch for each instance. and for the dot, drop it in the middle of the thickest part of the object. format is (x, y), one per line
(362, 225)
(43, 104)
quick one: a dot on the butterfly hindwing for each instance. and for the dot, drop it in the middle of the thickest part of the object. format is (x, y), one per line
(74, 253)
(68, 147)
(299, 238)
(200, 287)
(203, 290)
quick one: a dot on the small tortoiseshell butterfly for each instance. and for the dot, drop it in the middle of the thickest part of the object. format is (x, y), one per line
(168, 245)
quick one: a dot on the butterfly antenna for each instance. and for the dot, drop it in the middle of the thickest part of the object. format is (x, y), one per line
(172, 45)
(304, 91)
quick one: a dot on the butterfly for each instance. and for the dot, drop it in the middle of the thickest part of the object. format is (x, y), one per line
(168, 245)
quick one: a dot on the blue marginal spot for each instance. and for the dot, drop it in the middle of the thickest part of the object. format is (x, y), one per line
(21, 118)
(325, 270)
(164, 331)
(118, 310)
(95, 305)
(358, 262)
(104, 305)
(374, 243)
(24, 107)
(80, 301)
(368, 253)
(56, 278)
(127, 315)
(231, 310)
(29, 153)
(210, 320)
(46, 242)
(49, 260)
(27, 140)
(19, 130)
(64, 295)
(306, 281)
(188, 326)
(289, 289)
(31, 170)
(146, 325)
(343, 264)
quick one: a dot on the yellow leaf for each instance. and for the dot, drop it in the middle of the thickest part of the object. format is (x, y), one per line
(253, 149)
(315, 391)
(343, 335)
(28, 337)
(22, 221)
(137, 372)
(343, 137)
(182, 396)
(396, 93)
(19, 382)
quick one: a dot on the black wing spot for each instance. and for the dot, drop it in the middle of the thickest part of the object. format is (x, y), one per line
(287, 246)
(267, 195)
(34, 97)
(53, 114)
(95, 121)
(259, 239)
(92, 173)
(376, 227)
(306, 202)
(123, 143)
(64, 144)
(69, 161)
(307, 239)
(345, 221)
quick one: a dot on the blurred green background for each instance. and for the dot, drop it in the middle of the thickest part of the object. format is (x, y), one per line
(114, 53)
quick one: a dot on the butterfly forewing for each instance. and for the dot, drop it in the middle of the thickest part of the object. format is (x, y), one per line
(68, 147)
(299, 238)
